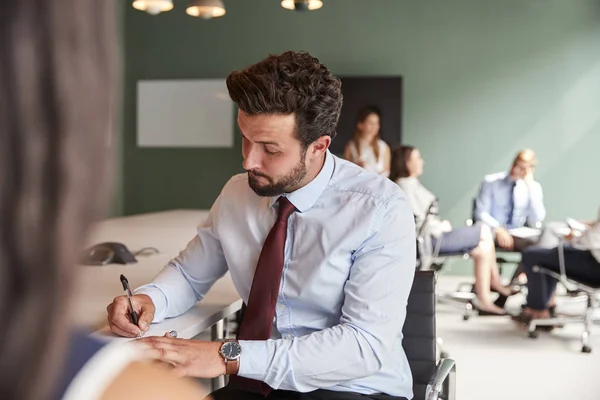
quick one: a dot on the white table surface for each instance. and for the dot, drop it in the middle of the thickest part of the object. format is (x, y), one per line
(169, 232)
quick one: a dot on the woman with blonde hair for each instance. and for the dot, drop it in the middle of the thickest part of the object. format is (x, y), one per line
(366, 148)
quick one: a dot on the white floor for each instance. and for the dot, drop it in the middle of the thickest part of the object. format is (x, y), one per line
(497, 361)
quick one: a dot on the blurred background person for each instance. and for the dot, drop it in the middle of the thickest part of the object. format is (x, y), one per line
(407, 167)
(57, 68)
(582, 263)
(512, 199)
(366, 148)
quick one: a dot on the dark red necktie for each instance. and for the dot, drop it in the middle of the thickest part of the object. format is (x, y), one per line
(260, 310)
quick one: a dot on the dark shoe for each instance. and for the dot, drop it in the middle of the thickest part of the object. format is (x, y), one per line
(484, 313)
(547, 328)
(551, 310)
(526, 319)
(500, 301)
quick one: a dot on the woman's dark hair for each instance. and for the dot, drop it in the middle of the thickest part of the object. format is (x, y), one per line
(56, 74)
(292, 82)
(361, 116)
(399, 162)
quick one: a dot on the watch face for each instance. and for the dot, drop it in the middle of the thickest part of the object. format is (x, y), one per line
(231, 350)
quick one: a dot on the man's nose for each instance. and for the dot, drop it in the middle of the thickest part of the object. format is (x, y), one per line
(251, 160)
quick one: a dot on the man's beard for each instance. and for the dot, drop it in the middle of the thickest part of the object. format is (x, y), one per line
(287, 184)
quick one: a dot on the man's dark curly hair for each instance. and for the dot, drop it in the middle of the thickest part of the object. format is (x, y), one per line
(292, 82)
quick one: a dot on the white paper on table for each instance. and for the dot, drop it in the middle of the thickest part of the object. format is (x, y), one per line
(525, 232)
(106, 334)
(576, 225)
(564, 231)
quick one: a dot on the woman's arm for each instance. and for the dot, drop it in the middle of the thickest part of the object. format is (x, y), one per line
(152, 382)
(387, 158)
(348, 154)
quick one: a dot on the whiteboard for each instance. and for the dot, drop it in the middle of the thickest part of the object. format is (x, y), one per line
(184, 113)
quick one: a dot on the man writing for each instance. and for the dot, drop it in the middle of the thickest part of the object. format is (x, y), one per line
(322, 253)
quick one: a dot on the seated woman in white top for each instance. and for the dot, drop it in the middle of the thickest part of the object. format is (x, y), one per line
(582, 263)
(58, 63)
(477, 240)
(366, 149)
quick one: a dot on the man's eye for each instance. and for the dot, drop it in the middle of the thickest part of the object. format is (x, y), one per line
(269, 151)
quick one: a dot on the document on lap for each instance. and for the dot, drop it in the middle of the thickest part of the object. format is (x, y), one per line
(525, 232)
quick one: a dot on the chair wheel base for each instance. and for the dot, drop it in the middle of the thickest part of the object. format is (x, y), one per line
(466, 317)
(586, 349)
(533, 335)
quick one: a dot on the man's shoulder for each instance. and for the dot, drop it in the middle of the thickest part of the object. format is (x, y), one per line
(495, 177)
(236, 184)
(353, 181)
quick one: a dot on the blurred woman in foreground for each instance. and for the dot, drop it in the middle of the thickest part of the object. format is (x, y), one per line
(57, 72)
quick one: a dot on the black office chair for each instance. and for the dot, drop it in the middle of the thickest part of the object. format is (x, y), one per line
(591, 294)
(431, 379)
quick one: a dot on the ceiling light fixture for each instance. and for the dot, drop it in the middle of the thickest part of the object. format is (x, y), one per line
(302, 5)
(206, 9)
(153, 7)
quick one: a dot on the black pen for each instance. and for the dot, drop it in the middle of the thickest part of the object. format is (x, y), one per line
(134, 316)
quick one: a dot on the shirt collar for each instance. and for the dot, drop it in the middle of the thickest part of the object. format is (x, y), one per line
(508, 179)
(305, 197)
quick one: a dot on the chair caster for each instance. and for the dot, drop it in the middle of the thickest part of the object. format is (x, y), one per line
(534, 334)
(443, 355)
(586, 349)
(468, 311)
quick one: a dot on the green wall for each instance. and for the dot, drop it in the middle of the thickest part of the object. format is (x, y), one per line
(482, 79)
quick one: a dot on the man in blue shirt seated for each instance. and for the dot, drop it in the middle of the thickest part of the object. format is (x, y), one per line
(320, 250)
(512, 200)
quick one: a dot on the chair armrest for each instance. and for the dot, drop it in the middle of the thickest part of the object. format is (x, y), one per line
(442, 381)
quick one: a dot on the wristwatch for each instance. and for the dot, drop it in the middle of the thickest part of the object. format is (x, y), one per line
(231, 352)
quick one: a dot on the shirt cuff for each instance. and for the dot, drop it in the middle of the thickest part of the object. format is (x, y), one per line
(158, 298)
(491, 221)
(254, 360)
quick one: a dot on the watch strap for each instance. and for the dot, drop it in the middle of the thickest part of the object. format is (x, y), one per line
(232, 367)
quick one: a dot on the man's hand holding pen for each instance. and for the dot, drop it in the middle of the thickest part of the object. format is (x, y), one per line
(130, 316)
(120, 319)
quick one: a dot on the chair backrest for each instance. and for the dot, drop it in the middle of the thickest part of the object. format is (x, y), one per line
(419, 331)
(431, 210)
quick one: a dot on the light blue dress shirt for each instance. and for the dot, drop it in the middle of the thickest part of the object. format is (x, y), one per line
(492, 205)
(348, 270)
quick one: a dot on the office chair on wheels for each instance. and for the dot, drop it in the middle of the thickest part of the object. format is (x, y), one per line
(590, 292)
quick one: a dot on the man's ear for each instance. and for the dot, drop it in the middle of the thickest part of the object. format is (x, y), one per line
(319, 146)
